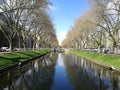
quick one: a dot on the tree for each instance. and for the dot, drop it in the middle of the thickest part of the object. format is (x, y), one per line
(12, 10)
(80, 34)
(108, 15)
(17, 13)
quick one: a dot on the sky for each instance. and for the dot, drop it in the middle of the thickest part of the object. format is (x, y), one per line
(64, 13)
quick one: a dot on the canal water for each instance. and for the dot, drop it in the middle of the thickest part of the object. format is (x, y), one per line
(60, 71)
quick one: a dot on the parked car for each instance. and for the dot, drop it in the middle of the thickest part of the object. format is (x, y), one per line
(87, 49)
(1, 50)
(118, 51)
(5, 49)
(108, 51)
(16, 49)
(94, 50)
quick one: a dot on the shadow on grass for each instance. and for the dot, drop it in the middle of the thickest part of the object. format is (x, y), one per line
(17, 59)
(4, 62)
(17, 55)
(33, 54)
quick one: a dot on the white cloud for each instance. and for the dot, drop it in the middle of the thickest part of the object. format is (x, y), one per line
(61, 36)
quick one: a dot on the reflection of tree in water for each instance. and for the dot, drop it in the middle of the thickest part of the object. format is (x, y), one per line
(85, 75)
(36, 75)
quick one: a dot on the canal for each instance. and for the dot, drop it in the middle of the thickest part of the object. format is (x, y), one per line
(60, 71)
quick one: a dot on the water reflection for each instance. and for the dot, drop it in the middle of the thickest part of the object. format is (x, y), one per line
(36, 75)
(85, 75)
(60, 72)
(61, 81)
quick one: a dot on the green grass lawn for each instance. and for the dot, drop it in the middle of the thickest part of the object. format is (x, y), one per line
(11, 58)
(107, 59)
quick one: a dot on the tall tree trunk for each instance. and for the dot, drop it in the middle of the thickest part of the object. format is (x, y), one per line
(115, 48)
(10, 44)
(99, 48)
(24, 45)
(24, 41)
(34, 44)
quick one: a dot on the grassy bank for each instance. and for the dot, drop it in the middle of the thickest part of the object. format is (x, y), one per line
(110, 60)
(9, 59)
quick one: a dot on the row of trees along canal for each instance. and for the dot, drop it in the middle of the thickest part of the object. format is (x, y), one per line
(99, 27)
(27, 19)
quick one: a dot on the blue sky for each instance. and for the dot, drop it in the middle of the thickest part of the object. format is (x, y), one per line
(64, 13)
